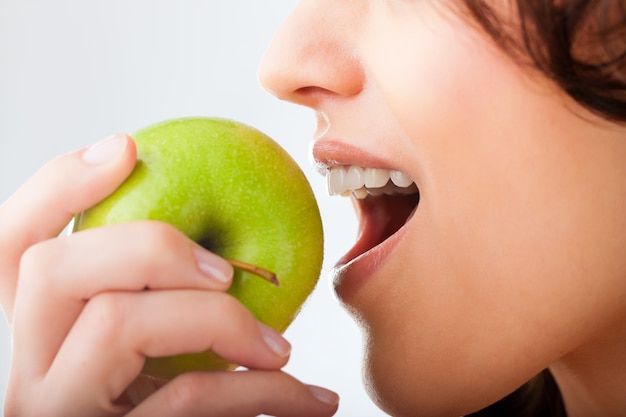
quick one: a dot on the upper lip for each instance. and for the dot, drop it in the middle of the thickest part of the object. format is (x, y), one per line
(329, 152)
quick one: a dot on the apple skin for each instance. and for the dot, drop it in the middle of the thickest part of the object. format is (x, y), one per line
(234, 190)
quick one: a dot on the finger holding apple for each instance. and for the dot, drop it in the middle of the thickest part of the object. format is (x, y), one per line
(59, 277)
(42, 207)
(79, 346)
(229, 394)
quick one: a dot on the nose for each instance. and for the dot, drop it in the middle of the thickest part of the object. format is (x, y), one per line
(313, 55)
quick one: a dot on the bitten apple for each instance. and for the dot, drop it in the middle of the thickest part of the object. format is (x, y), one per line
(235, 191)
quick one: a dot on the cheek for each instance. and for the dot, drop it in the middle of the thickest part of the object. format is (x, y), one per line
(435, 80)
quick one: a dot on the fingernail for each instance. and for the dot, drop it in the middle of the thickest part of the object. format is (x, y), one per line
(324, 395)
(275, 341)
(106, 150)
(213, 266)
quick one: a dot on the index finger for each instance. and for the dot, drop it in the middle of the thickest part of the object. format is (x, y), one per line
(46, 203)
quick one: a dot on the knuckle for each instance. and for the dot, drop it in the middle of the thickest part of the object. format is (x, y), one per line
(159, 232)
(31, 259)
(157, 237)
(45, 263)
(106, 315)
(40, 259)
(229, 306)
(11, 409)
(158, 246)
(11, 406)
(16, 403)
(182, 393)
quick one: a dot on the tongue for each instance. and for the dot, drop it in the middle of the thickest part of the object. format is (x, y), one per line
(379, 218)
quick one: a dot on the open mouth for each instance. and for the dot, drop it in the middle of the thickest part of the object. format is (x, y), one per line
(384, 201)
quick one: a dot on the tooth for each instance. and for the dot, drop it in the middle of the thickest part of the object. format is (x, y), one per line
(354, 178)
(361, 193)
(376, 178)
(361, 182)
(412, 189)
(376, 191)
(400, 179)
(335, 181)
(389, 189)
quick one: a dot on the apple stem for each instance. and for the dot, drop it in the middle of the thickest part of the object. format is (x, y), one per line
(269, 276)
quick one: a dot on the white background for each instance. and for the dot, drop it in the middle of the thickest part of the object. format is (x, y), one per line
(73, 72)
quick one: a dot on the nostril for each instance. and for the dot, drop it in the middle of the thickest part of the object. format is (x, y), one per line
(311, 96)
(309, 90)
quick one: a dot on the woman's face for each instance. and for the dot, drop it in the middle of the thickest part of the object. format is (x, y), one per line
(513, 256)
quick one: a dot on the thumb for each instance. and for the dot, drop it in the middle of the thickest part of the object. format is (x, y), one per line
(46, 203)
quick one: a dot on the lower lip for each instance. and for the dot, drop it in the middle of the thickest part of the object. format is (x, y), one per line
(348, 278)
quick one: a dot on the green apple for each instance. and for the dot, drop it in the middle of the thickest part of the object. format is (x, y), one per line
(235, 191)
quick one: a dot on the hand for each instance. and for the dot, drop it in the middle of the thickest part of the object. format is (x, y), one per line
(86, 310)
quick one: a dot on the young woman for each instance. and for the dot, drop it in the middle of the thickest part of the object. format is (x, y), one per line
(489, 274)
(510, 120)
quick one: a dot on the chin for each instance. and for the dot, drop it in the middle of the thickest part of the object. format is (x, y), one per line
(403, 395)
(394, 386)
(405, 379)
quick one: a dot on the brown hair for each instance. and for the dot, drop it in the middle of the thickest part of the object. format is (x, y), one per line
(540, 397)
(579, 44)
